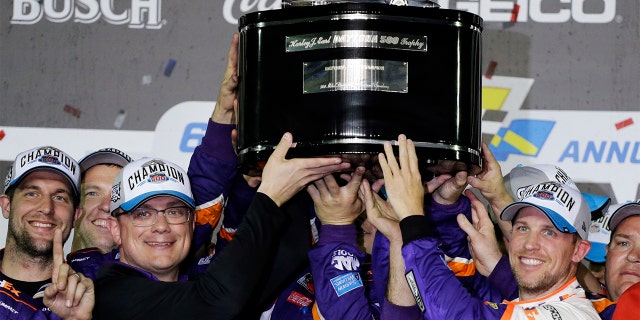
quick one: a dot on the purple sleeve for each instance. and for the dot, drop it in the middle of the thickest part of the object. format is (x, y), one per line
(503, 280)
(392, 311)
(438, 293)
(336, 265)
(212, 168)
(380, 267)
(444, 219)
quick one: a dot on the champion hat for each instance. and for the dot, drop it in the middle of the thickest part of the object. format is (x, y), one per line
(563, 204)
(600, 235)
(625, 211)
(44, 158)
(520, 177)
(105, 156)
(148, 178)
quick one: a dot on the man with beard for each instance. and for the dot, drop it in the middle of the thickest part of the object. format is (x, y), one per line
(548, 241)
(40, 197)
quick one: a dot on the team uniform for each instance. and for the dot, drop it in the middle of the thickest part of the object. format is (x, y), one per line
(336, 265)
(502, 279)
(441, 296)
(16, 304)
(89, 260)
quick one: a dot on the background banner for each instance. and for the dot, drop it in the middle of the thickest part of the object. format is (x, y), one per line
(561, 80)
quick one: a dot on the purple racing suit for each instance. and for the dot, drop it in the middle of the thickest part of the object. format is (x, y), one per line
(15, 304)
(441, 296)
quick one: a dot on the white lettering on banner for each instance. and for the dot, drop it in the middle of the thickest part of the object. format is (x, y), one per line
(141, 14)
(565, 10)
(246, 6)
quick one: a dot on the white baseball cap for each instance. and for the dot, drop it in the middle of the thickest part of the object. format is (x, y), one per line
(625, 211)
(563, 204)
(520, 177)
(105, 156)
(148, 178)
(44, 158)
(600, 235)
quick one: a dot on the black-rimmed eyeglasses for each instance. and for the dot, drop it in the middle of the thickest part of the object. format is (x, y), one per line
(146, 217)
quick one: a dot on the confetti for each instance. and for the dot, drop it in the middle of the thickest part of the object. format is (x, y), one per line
(120, 119)
(624, 123)
(169, 68)
(146, 80)
(514, 12)
(2, 134)
(72, 111)
(491, 69)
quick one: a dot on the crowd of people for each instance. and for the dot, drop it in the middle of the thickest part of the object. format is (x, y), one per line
(309, 238)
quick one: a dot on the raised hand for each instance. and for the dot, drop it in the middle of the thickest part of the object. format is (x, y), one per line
(451, 190)
(402, 180)
(71, 295)
(282, 178)
(380, 213)
(491, 185)
(337, 205)
(481, 235)
(225, 111)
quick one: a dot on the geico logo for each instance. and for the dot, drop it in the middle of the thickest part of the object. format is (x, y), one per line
(544, 11)
(89, 11)
(246, 6)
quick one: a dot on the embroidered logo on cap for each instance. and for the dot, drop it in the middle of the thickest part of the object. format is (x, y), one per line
(115, 192)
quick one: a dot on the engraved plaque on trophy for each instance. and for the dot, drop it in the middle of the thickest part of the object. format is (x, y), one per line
(344, 77)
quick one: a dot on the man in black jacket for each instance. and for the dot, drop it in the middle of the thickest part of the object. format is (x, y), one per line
(146, 284)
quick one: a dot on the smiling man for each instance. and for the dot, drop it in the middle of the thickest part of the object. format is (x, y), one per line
(548, 241)
(98, 170)
(40, 196)
(153, 221)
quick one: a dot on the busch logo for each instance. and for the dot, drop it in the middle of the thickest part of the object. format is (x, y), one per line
(89, 11)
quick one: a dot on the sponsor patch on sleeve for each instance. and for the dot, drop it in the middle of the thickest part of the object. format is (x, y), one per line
(346, 282)
(413, 285)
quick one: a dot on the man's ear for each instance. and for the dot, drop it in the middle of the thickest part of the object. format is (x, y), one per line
(5, 205)
(77, 215)
(582, 248)
(114, 227)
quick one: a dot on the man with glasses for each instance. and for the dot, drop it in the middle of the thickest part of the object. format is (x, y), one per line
(152, 205)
